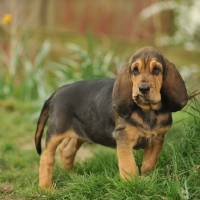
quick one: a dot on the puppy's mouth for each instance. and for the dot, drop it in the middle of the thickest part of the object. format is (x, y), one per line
(143, 99)
(144, 102)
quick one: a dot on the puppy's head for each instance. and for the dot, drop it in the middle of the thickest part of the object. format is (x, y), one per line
(148, 80)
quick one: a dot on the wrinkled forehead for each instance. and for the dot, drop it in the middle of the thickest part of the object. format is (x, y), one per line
(146, 55)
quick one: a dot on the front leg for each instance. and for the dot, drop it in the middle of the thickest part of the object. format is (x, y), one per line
(125, 140)
(151, 154)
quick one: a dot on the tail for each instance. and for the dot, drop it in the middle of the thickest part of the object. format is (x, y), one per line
(44, 115)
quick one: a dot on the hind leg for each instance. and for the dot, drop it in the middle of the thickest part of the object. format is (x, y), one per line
(46, 164)
(48, 157)
(68, 149)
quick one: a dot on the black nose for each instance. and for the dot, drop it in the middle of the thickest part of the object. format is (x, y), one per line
(144, 89)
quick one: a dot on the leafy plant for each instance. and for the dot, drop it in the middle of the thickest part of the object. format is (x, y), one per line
(29, 77)
(82, 64)
(22, 77)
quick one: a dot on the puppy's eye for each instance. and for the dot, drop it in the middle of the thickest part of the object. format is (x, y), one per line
(135, 71)
(156, 70)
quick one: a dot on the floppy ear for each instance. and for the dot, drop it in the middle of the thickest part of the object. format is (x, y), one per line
(173, 91)
(122, 93)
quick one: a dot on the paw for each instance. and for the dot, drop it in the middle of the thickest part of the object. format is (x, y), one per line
(147, 167)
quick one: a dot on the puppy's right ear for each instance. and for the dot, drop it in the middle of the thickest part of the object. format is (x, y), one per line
(122, 93)
(174, 93)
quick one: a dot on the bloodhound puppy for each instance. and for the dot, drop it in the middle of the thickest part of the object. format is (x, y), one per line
(130, 112)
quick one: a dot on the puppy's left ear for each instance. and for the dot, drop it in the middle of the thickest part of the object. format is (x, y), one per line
(122, 93)
(173, 91)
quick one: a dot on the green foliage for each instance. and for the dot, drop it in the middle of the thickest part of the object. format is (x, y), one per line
(22, 77)
(84, 64)
(29, 77)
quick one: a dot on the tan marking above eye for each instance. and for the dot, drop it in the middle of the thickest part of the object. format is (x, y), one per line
(135, 64)
(156, 68)
(154, 64)
(136, 67)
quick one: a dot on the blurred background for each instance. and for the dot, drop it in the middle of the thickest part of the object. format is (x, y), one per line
(45, 44)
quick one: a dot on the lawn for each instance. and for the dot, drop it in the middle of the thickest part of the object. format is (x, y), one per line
(177, 175)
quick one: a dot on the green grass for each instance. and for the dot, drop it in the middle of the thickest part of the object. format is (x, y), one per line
(177, 175)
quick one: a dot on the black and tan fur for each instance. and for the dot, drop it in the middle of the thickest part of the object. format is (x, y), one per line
(130, 112)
